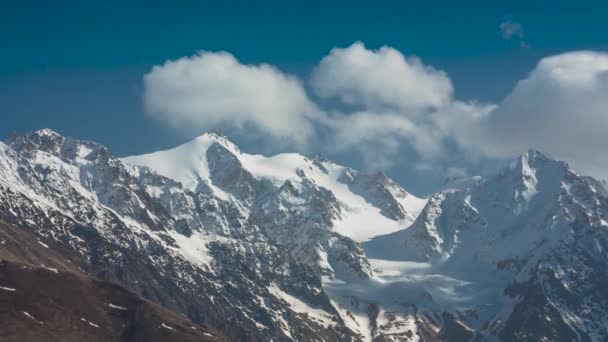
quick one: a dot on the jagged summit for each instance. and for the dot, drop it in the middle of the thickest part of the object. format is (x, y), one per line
(534, 159)
(46, 132)
(219, 138)
(186, 163)
(49, 141)
(41, 136)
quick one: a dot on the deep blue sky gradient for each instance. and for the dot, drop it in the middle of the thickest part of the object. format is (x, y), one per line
(77, 66)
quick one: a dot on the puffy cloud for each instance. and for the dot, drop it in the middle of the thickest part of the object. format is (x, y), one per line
(398, 97)
(511, 28)
(213, 89)
(561, 108)
(388, 132)
(380, 79)
(392, 109)
(399, 104)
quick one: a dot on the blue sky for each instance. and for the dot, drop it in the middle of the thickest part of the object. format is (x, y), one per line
(78, 67)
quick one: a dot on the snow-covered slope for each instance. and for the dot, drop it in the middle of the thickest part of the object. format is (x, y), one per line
(294, 248)
(520, 255)
(236, 219)
(370, 204)
(191, 252)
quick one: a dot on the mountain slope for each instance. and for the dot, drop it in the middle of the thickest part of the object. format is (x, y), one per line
(294, 248)
(528, 245)
(188, 251)
(373, 205)
(309, 206)
(43, 297)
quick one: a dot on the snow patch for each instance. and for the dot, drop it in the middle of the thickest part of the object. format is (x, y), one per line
(390, 323)
(27, 314)
(317, 315)
(52, 269)
(89, 322)
(354, 319)
(116, 307)
(83, 151)
(194, 247)
(163, 325)
(46, 132)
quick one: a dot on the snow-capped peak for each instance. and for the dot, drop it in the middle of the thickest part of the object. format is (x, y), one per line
(531, 161)
(46, 132)
(375, 204)
(40, 138)
(51, 142)
(186, 163)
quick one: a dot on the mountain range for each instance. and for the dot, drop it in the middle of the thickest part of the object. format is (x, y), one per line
(291, 248)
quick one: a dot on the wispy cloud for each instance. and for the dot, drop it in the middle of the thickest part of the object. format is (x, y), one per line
(511, 28)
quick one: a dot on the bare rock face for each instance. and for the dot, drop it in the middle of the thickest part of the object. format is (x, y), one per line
(298, 219)
(379, 190)
(227, 172)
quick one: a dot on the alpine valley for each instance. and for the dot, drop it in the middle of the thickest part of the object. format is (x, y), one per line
(290, 248)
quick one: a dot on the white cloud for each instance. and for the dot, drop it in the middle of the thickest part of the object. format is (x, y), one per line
(561, 108)
(394, 110)
(399, 98)
(400, 103)
(380, 79)
(380, 137)
(213, 89)
(511, 28)
(388, 132)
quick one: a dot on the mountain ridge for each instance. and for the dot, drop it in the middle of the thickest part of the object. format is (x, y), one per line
(326, 252)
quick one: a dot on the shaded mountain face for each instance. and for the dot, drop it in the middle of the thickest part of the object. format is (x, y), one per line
(530, 244)
(295, 248)
(44, 297)
(221, 241)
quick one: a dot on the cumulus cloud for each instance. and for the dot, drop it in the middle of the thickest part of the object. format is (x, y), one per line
(561, 108)
(380, 79)
(511, 28)
(399, 101)
(213, 89)
(391, 109)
